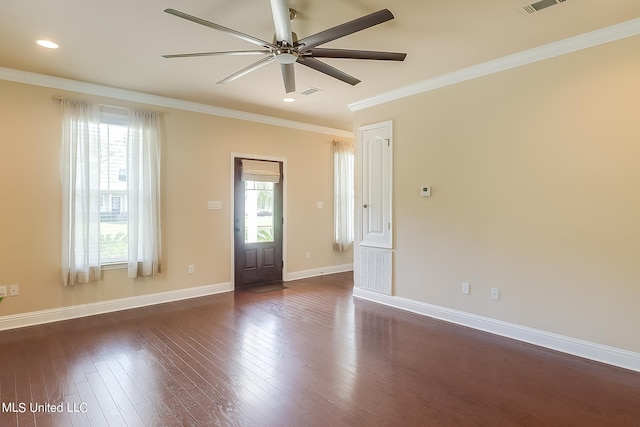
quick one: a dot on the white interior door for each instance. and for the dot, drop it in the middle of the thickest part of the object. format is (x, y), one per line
(377, 161)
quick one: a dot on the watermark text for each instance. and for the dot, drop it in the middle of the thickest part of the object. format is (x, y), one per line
(36, 407)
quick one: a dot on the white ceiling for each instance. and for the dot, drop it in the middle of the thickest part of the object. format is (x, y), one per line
(120, 42)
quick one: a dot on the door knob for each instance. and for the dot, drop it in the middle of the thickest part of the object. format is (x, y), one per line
(365, 205)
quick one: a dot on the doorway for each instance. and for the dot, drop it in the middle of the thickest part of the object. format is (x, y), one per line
(257, 221)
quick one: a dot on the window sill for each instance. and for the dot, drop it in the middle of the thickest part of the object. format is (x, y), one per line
(114, 266)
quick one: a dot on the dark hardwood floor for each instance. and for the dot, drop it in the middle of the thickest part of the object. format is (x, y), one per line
(309, 355)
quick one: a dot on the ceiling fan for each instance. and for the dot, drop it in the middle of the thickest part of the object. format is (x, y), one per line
(286, 49)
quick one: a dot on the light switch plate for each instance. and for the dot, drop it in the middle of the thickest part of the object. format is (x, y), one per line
(466, 289)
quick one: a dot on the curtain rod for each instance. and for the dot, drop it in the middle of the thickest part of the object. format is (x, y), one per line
(62, 98)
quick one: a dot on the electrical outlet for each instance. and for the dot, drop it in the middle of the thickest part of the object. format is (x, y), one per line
(14, 290)
(307, 254)
(466, 289)
(3, 291)
(495, 294)
(192, 269)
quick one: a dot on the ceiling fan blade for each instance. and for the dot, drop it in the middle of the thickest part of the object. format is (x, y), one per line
(355, 54)
(327, 69)
(247, 70)
(289, 77)
(233, 52)
(345, 29)
(281, 21)
(229, 31)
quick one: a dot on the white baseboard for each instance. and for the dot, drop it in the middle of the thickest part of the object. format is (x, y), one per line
(304, 274)
(588, 350)
(83, 310)
(65, 313)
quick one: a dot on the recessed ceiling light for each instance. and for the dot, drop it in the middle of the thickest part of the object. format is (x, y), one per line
(48, 44)
(289, 100)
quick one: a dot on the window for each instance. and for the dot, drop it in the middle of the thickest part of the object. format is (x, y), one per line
(111, 192)
(114, 245)
(258, 205)
(259, 177)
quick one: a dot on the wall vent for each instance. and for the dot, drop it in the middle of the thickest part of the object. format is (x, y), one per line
(309, 91)
(539, 5)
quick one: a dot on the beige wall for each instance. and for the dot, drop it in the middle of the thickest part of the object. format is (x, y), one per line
(196, 168)
(535, 190)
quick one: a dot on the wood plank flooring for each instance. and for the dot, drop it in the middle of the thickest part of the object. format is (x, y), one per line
(309, 355)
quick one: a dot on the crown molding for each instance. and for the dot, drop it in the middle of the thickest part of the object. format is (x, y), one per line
(594, 38)
(160, 101)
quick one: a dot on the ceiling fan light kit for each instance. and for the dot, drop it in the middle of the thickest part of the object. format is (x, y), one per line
(286, 49)
(286, 55)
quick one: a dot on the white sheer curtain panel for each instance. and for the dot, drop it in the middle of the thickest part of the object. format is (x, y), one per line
(343, 194)
(80, 170)
(144, 193)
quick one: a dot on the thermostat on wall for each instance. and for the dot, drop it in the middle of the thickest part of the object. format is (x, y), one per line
(425, 191)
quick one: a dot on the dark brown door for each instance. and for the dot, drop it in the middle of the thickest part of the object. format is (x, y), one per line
(257, 230)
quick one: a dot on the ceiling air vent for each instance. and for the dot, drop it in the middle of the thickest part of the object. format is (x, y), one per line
(309, 91)
(538, 6)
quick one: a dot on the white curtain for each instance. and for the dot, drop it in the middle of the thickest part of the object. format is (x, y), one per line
(80, 192)
(343, 194)
(144, 193)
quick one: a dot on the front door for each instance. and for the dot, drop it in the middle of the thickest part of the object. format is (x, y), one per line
(257, 227)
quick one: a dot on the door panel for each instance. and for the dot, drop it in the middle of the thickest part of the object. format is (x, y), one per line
(250, 259)
(268, 257)
(376, 185)
(257, 230)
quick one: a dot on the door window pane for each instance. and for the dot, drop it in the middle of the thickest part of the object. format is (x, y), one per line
(258, 212)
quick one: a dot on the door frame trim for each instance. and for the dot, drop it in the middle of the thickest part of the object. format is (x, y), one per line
(233, 158)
